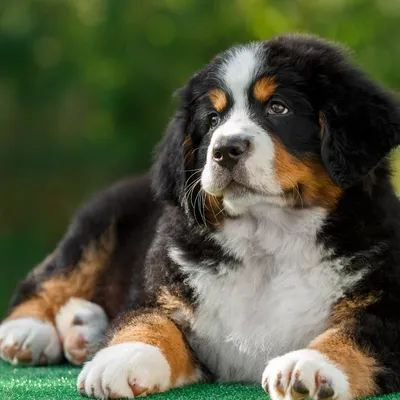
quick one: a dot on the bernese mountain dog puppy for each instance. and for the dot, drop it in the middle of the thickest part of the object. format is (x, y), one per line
(264, 246)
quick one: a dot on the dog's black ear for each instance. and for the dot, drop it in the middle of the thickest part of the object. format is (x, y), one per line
(361, 124)
(168, 173)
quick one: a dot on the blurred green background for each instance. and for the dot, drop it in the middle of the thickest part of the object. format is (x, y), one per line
(85, 91)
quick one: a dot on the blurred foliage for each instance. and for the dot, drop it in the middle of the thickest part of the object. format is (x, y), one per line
(86, 85)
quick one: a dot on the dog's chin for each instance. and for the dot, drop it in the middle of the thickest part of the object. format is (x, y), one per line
(238, 195)
(238, 198)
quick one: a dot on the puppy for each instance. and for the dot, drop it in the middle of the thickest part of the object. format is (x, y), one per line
(264, 246)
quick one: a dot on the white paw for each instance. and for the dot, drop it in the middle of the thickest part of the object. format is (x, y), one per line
(304, 374)
(29, 341)
(81, 325)
(125, 370)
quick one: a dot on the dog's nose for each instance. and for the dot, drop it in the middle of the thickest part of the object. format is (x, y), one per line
(228, 152)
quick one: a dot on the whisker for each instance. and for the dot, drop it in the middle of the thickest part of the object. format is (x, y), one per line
(217, 205)
(189, 190)
(212, 199)
(204, 211)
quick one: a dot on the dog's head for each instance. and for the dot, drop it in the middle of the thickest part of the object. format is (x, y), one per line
(287, 122)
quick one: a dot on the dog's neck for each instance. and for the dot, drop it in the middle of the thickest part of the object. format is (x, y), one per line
(266, 230)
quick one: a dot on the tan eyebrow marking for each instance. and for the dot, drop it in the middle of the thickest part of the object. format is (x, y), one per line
(218, 99)
(264, 88)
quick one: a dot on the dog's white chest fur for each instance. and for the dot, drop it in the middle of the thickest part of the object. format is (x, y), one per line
(277, 300)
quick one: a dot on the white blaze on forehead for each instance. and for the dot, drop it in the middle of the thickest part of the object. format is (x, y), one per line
(239, 70)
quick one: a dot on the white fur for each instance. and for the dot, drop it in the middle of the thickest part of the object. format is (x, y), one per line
(30, 333)
(115, 367)
(94, 323)
(277, 299)
(307, 363)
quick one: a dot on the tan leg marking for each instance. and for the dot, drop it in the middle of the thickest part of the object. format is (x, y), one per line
(159, 331)
(358, 366)
(344, 310)
(176, 308)
(79, 282)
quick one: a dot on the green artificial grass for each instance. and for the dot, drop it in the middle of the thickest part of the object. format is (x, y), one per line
(54, 383)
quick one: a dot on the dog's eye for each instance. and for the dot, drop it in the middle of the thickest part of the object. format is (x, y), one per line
(277, 108)
(213, 120)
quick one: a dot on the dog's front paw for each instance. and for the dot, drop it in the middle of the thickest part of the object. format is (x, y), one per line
(80, 324)
(29, 341)
(305, 374)
(125, 370)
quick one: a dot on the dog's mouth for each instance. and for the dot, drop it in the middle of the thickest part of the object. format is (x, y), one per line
(237, 194)
(238, 189)
(235, 189)
(231, 188)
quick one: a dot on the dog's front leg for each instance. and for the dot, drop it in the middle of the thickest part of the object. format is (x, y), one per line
(145, 354)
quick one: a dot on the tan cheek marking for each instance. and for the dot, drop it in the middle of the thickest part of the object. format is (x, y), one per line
(79, 282)
(308, 179)
(188, 152)
(345, 309)
(322, 125)
(359, 367)
(288, 170)
(157, 330)
(264, 88)
(218, 99)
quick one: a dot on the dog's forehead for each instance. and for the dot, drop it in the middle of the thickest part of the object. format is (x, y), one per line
(239, 68)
